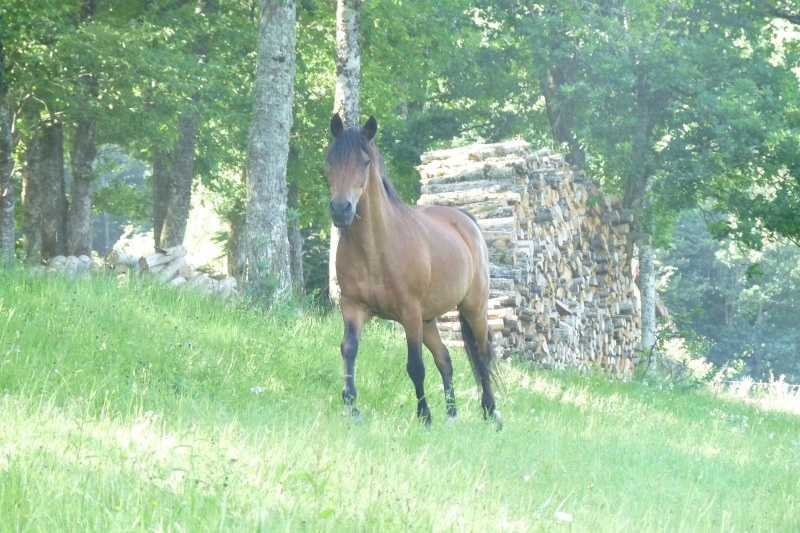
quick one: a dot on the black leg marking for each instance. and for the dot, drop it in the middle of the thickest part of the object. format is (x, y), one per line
(416, 371)
(441, 356)
(349, 352)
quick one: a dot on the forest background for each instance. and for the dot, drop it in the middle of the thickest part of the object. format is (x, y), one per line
(688, 110)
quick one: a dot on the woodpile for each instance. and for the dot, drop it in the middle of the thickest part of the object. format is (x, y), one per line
(170, 266)
(562, 289)
(69, 265)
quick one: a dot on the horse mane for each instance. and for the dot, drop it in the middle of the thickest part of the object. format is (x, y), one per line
(350, 140)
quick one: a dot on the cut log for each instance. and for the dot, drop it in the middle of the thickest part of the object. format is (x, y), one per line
(171, 269)
(118, 257)
(147, 262)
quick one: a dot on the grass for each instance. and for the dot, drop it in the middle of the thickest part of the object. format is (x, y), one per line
(138, 407)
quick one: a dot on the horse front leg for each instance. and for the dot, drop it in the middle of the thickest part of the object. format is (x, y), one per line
(416, 367)
(354, 320)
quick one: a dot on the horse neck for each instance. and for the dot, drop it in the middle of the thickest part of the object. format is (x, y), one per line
(374, 215)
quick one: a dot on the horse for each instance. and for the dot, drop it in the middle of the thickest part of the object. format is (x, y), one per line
(407, 264)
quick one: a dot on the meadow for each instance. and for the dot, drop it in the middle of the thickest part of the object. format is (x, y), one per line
(128, 406)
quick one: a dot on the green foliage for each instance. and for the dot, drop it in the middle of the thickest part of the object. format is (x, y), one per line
(136, 403)
(748, 298)
(678, 357)
(675, 103)
(123, 200)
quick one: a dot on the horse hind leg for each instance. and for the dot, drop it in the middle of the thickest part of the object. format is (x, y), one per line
(441, 356)
(478, 345)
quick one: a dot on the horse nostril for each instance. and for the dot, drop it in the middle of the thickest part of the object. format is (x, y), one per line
(342, 212)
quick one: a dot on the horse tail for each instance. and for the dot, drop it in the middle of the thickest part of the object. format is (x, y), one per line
(484, 366)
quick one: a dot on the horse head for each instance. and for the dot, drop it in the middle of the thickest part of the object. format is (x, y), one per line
(348, 165)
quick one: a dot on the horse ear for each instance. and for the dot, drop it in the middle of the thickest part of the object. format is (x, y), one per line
(337, 126)
(370, 128)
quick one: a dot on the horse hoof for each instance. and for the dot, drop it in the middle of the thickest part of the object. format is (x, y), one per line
(451, 419)
(354, 414)
(427, 421)
(498, 420)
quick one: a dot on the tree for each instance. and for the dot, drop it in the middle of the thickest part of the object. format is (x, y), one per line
(347, 98)
(348, 62)
(7, 200)
(750, 311)
(31, 201)
(666, 98)
(173, 164)
(52, 188)
(268, 152)
(82, 153)
(177, 190)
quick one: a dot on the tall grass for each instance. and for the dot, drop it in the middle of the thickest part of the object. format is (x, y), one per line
(137, 407)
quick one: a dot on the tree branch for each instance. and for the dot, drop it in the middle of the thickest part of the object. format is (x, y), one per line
(782, 13)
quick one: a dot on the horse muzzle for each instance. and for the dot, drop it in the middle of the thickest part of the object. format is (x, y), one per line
(342, 213)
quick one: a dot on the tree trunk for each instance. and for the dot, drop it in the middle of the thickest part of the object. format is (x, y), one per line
(758, 352)
(82, 156)
(7, 199)
(647, 290)
(171, 208)
(106, 223)
(560, 114)
(161, 191)
(334, 290)
(346, 99)
(236, 242)
(32, 201)
(268, 153)
(348, 61)
(180, 193)
(53, 195)
(636, 190)
(296, 240)
(560, 111)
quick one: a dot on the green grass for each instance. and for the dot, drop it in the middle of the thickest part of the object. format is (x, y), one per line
(139, 407)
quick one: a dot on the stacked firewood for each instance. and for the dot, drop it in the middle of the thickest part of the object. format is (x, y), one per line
(69, 265)
(169, 265)
(562, 290)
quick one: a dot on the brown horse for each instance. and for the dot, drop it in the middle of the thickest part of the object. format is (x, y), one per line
(407, 264)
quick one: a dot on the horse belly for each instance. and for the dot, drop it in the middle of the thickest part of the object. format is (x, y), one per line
(451, 278)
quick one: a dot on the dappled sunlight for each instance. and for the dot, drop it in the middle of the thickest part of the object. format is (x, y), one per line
(536, 383)
(581, 395)
(775, 395)
(728, 452)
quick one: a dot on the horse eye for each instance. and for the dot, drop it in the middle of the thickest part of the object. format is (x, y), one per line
(366, 163)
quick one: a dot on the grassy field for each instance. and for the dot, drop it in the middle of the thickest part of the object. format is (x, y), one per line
(138, 407)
